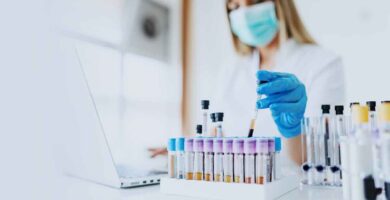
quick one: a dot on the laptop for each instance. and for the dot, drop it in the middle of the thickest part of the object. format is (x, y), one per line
(87, 154)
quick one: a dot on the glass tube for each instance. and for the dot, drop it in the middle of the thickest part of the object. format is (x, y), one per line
(319, 156)
(205, 113)
(327, 148)
(309, 126)
(180, 158)
(198, 159)
(339, 131)
(172, 158)
(228, 160)
(238, 150)
(250, 158)
(189, 159)
(262, 161)
(218, 160)
(208, 160)
(271, 152)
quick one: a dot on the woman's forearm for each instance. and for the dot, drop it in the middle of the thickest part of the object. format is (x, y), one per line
(294, 147)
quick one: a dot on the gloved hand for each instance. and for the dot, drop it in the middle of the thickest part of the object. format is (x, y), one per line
(286, 98)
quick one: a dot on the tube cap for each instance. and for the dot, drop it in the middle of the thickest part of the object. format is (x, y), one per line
(227, 145)
(198, 144)
(189, 145)
(220, 116)
(371, 105)
(370, 191)
(384, 112)
(218, 145)
(199, 129)
(278, 144)
(262, 145)
(353, 103)
(386, 101)
(339, 109)
(172, 144)
(325, 109)
(238, 145)
(205, 104)
(180, 144)
(213, 117)
(360, 114)
(250, 146)
(208, 144)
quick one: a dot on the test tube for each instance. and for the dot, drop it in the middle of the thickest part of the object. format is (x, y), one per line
(360, 151)
(339, 130)
(238, 151)
(213, 131)
(228, 160)
(180, 158)
(319, 154)
(198, 159)
(325, 124)
(271, 152)
(189, 159)
(278, 159)
(208, 159)
(219, 116)
(205, 114)
(262, 161)
(310, 128)
(384, 117)
(172, 158)
(376, 149)
(250, 160)
(218, 159)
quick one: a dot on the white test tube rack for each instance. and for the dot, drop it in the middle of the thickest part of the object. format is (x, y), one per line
(229, 191)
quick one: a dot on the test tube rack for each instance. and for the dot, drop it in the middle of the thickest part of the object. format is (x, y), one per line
(229, 191)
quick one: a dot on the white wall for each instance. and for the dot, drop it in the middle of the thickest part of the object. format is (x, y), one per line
(358, 30)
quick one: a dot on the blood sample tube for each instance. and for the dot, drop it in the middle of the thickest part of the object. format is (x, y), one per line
(250, 158)
(180, 158)
(208, 159)
(172, 158)
(198, 159)
(228, 160)
(218, 159)
(262, 161)
(189, 158)
(238, 150)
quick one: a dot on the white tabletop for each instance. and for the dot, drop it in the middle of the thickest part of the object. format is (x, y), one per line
(75, 189)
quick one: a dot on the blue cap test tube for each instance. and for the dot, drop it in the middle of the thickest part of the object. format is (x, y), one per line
(172, 158)
(180, 158)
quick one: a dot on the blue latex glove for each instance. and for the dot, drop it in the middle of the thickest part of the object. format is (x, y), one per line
(286, 98)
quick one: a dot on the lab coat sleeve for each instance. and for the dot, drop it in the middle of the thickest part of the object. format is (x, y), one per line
(326, 86)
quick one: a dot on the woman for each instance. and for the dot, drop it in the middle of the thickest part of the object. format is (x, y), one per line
(276, 47)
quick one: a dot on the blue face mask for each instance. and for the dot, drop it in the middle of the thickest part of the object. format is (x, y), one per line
(255, 25)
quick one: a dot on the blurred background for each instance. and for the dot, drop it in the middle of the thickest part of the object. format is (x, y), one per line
(148, 64)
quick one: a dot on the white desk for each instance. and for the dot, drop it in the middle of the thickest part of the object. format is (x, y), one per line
(75, 189)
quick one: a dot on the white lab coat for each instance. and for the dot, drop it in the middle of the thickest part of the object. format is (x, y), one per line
(320, 70)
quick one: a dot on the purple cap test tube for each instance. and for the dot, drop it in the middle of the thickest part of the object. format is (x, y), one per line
(238, 145)
(271, 145)
(262, 145)
(189, 145)
(198, 145)
(227, 145)
(250, 146)
(218, 143)
(208, 144)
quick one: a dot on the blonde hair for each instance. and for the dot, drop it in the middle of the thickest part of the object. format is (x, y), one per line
(290, 26)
